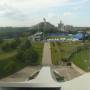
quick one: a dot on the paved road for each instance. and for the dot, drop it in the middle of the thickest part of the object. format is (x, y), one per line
(46, 60)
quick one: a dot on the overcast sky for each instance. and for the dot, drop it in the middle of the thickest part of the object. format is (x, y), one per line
(30, 12)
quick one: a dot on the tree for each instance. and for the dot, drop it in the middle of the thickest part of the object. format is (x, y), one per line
(29, 56)
(20, 56)
(25, 45)
(10, 46)
(17, 41)
(24, 35)
(6, 47)
(26, 53)
(1, 41)
(9, 67)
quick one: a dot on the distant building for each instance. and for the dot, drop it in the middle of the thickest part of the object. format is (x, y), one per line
(65, 28)
(61, 26)
(68, 28)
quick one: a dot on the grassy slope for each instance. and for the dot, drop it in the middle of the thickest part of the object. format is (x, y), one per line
(62, 50)
(67, 48)
(9, 64)
(5, 55)
(54, 54)
(38, 46)
(82, 59)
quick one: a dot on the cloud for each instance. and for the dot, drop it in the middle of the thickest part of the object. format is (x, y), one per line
(28, 7)
(34, 3)
(25, 10)
(67, 14)
(51, 15)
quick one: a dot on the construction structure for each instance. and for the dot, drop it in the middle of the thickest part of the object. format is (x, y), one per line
(46, 80)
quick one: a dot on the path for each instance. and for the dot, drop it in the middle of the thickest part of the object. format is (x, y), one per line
(46, 60)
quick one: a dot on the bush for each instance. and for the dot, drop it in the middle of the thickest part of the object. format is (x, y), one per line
(29, 56)
(25, 45)
(9, 67)
(1, 41)
(10, 46)
(7, 47)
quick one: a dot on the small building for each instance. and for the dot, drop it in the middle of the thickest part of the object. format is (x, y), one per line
(38, 36)
(81, 36)
(69, 28)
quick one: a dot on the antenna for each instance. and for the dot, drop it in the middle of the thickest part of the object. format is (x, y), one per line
(44, 20)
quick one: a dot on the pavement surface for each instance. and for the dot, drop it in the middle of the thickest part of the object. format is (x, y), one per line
(67, 72)
(78, 69)
(21, 75)
(46, 60)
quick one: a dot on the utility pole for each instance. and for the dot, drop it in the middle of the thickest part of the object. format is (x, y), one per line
(44, 23)
(38, 27)
(44, 28)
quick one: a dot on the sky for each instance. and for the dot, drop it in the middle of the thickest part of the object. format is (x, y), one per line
(30, 12)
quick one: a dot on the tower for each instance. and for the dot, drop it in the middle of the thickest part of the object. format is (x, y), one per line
(61, 26)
